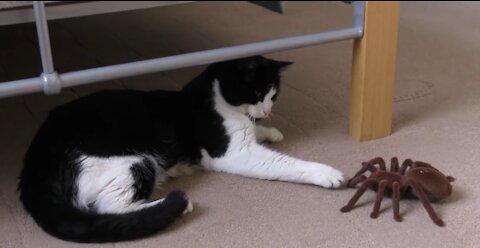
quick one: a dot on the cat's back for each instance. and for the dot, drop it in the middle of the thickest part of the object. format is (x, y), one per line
(107, 101)
(108, 117)
(117, 104)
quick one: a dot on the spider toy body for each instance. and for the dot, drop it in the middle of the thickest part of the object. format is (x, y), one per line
(412, 179)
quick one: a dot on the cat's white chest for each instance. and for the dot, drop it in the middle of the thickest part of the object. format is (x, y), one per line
(241, 133)
(239, 128)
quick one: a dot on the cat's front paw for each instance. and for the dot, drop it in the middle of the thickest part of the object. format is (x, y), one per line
(274, 135)
(269, 134)
(326, 176)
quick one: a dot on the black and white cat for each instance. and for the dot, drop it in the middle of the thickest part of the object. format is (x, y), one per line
(95, 161)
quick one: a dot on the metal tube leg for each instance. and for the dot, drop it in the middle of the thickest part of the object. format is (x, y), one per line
(359, 16)
(50, 79)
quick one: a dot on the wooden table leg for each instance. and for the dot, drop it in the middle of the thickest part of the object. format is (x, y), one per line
(373, 72)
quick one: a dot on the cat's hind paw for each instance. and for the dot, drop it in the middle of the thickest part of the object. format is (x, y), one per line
(189, 208)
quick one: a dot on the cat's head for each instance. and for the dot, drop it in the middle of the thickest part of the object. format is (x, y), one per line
(252, 83)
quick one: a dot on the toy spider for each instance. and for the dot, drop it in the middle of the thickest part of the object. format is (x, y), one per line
(417, 179)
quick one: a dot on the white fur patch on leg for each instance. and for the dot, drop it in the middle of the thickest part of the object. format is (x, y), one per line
(105, 184)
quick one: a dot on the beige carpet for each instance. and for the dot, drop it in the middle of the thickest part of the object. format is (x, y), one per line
(436, 119)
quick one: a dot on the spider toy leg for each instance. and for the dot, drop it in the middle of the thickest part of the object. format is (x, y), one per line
(357, 195)
(356, 180)
(366, 166)
(380, 162)
(370, 166)
(394, 165)
(426, 204)
(378, 200)
(407, 163)
(358, 177)
(396, 201)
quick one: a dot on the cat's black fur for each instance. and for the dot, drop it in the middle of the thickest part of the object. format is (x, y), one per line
(170, 125)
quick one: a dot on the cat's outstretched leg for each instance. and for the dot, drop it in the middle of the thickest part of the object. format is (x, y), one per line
(260, 162)
(269, 134)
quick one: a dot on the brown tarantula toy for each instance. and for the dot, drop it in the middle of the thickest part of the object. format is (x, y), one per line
(415, 179)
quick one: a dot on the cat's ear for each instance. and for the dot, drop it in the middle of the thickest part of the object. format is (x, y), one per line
(281, 65)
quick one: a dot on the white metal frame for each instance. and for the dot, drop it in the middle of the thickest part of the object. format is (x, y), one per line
(51, 82)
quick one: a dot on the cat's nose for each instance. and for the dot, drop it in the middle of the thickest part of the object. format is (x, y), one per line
(266, 112)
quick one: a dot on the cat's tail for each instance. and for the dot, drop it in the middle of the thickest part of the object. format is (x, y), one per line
(72, 224)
